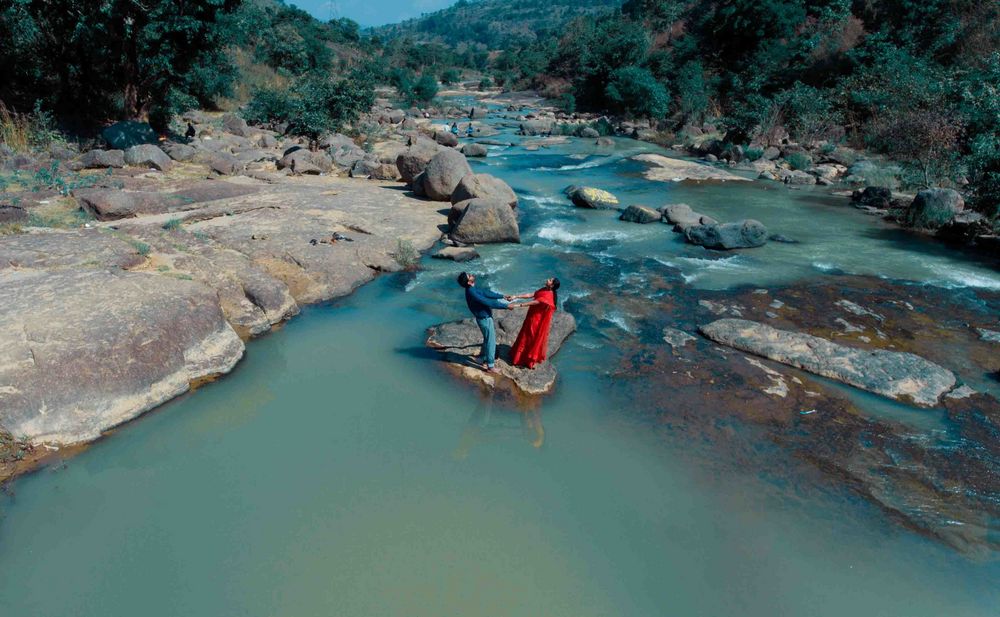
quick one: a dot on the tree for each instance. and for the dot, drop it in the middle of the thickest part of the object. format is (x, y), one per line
(633, 90)
(425, 89)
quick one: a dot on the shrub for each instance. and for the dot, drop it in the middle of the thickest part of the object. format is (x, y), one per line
(799, 160)
(9, 229)
(485, 83)
(406, 255)
(753, 154)
(314, 105)
(568, 103)
(451, 76)
(172, 224)
(634, 90)
(22, 131)
(425, 89)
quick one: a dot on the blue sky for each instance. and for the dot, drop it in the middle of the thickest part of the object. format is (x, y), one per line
(370, 12)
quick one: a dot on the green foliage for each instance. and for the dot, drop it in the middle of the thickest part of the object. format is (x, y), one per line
(94, 60)
(406, 255)
(799, 161)
(314, 105)
(568, 103)
(425, 89)
(485, 83)
(451, 76)
(754, 154)
(172, 225)
(634, 91)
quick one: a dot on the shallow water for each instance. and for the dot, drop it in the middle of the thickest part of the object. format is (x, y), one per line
(340, 470)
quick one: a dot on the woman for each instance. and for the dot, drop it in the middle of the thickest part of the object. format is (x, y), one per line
(532, 344)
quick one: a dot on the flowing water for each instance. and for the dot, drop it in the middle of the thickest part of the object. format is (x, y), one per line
(340, 470)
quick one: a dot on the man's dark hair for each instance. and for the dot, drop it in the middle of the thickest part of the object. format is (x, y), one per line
(463, 279)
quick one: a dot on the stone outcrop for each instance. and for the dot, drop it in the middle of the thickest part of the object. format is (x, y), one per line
(460, 341)
(595, 199)
(148, 155)
(681, 216)
(727, 236)
(414, 160)
(443, 173)
(484, 221)
(933, 208)
(640, 214)
(85, 350)
(483, 186)
(667, 169)
(898, 375)
(474, 150)
(102, 159)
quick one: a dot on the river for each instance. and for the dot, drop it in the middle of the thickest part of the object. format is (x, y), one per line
(341, 470)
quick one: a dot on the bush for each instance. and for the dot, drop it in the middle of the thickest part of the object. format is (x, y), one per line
(799, 161)
(451, 76)
(22, 132)
(568, 103)
(485, 83)
(754, 154)
(635, 91)
(425, 89)
(172, 224)
(406, 255)
(314, 105)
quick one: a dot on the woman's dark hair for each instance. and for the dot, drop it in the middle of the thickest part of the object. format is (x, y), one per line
(555, 291)
(463, 279)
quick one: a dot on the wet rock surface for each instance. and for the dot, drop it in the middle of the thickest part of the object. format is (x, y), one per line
(460, 343)
(667, 169)
(903, 376)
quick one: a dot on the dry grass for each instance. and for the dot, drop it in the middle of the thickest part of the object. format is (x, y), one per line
(15, 129)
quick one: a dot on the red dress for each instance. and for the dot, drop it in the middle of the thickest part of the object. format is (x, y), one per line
(532, 344)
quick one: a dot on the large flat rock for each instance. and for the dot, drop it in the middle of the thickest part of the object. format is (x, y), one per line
(54, 249)
(898, 375)
(84, 350)
(666, 169)
(460, 341)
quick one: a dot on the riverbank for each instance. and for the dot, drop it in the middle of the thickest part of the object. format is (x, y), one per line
(161, 275)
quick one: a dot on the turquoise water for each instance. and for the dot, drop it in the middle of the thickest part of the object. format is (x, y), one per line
(341, 470)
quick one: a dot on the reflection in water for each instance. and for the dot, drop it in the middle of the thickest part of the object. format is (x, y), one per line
(491, 422)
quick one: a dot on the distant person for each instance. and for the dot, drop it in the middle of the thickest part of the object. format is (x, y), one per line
(469, 131)
(481, 303)
(454, 128)
(532, 344)
(190, 133)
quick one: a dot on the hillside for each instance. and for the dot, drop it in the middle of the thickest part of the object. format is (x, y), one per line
(495, 23)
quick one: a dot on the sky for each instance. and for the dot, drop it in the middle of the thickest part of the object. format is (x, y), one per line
(370, 12)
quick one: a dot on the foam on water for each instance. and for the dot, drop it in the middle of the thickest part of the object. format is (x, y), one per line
(558, 232)
(953, 277)
(607, 160)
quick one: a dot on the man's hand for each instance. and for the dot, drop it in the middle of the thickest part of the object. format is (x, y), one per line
(508, 298)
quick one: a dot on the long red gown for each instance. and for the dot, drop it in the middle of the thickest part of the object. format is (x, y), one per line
(532, 344)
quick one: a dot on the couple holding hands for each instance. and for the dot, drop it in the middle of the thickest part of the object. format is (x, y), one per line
(531, 346)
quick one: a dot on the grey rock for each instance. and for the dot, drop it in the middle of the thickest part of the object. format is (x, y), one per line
(457, 253)
(485, 221)
(796, 177)
(933, 208)
(725, 236)
(126, 134)
(80, 248)
(681, 216)
(225, 164)
(180, 152)
(873, 196)
(901, 376)
(13, 214)
(446, 138)
(536, 126)
(443, 173)
(483, 186)
(414, 160)
(148, 155)
(101, 159)
(82, 351)
(460, 341)
(589, 132)
(472, 149)
(232, 123)
(676, 338)
(640, 214)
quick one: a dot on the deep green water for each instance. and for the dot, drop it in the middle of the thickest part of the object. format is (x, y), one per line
(340, 470)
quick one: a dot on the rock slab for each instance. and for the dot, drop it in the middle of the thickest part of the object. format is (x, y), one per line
(898, 375)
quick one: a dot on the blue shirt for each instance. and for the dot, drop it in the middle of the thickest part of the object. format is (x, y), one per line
(481, 301)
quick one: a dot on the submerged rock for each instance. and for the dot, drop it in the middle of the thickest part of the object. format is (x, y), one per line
(82, 351)
(460, 341)
(726, 236)
(902, 376)
(457, 253)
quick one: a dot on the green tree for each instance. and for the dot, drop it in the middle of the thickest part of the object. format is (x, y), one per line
(425, 89)
(635, 91)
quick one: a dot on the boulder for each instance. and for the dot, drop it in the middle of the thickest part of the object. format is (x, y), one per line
(414, 160)
(446, 138)
(126, 134)
(796, 177)
(536, 126)
(901, 376)
(180, 152)
(82, 351)
(148, 155)
(15, 215)
(231, 123)
(589, 132)
(588, 197)
(771, 153)
(443, 173)
(365, 168)
(395, 116)
(472, 149)
(726, 236)
(681, 216)
(605, 141)
(640, 214)
(483, 186)
(267, 141)
(933, 208)
(336, 141)
(460, 342)
(965, 228)
(101, 159)
(873, 197)
(225, 164)
(303, 161)
(485, 221)
(457, 253)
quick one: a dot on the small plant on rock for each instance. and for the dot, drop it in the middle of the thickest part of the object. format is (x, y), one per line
(406, 255)
(799, 161)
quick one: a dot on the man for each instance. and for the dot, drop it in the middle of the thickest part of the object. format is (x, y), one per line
(482, 302)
